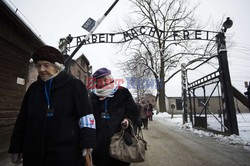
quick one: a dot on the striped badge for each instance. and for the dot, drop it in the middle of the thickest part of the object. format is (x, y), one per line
(87, 121)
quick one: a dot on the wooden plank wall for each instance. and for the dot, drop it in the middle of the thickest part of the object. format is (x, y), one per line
(17, 42)
(14, 64)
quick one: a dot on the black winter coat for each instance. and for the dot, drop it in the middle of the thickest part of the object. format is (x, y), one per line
(56, 140)
(120, 106)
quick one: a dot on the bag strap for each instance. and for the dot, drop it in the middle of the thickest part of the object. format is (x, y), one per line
(136, 136)
(132, 128)
(140, 131)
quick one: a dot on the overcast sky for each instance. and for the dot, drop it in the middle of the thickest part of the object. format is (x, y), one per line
(55, 19)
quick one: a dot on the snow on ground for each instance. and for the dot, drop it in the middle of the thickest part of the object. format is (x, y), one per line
(243, 120)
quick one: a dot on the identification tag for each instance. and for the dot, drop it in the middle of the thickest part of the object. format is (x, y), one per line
(105, 115)
(50, 112)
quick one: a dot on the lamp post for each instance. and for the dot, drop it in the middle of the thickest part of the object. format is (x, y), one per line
(63, 44)
(230, 120)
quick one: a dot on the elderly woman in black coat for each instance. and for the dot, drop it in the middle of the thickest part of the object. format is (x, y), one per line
(113, 106)
(56, 123)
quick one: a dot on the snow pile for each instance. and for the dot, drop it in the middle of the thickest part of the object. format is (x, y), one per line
(243, 124)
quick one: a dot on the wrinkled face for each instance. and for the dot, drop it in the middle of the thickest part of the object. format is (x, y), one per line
(103, 81)
(45, 69)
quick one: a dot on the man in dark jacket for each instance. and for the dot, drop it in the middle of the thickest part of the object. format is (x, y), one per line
(56, 123)
(113, 106)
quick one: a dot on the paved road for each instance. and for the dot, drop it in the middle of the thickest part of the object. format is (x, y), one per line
(172, 146)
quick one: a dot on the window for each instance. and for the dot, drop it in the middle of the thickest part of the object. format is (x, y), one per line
(178, 104)
(83, 64)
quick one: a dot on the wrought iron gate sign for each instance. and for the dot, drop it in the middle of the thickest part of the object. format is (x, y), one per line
(121, 37)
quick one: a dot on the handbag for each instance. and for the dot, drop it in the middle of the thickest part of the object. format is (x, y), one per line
(133, 153)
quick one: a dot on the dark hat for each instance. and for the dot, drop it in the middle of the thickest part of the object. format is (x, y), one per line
(101, 72)
(47, 53)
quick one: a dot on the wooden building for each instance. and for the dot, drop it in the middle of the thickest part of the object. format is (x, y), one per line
(80, 68)
(17, 42)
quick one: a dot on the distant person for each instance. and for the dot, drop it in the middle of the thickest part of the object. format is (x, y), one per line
(113, 106)
(150, 111)
(143, 114)
(139, 121)
(56, 123)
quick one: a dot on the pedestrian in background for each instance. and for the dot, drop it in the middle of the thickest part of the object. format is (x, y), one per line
(113, 106)
(56, 123)
(143, 114)
(139, 122)
(150, 111)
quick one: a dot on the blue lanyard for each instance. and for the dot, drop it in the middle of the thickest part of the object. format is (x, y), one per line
(106, 105)
(47, 92)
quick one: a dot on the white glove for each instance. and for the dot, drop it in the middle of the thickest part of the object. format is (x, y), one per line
(84, 151)
(16, 158)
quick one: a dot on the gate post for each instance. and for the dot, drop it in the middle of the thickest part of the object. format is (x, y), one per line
(230, 119)
(247, 93)
(184, 93)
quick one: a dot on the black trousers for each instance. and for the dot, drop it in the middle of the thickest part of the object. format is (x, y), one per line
(145, 122)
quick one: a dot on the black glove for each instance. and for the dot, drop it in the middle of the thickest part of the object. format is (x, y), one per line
(127, 137)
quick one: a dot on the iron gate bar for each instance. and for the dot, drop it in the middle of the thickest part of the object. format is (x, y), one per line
(217, 119)
(208, 59)
(213, 76)
(220, 105)
(190, 107)
(205, 104)
(212, 82)
(238, 95)
(204, 79)
(207, 99)
(194, 106)
(211, 113)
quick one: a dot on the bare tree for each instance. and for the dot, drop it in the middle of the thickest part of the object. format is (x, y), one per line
(159, 55)
(138, 78)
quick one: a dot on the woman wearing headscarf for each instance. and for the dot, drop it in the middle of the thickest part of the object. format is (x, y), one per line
(56, 123)
(113, 106)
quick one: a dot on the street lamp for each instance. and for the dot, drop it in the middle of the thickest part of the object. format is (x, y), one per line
(63, 44)
(220, 37)
(227, 24)
(69, 39)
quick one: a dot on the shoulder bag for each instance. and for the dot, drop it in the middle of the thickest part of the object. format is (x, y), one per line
(133, 153)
